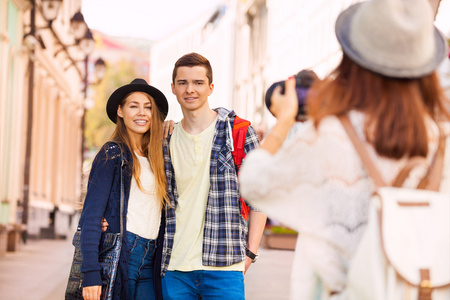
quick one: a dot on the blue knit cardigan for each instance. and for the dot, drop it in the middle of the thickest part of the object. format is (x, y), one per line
(103, 200)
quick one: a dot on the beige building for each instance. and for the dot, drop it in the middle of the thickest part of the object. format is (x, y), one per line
(254, 43)
(41, 107)
(277, 39)
(213, 36)
(251, 44)
(13, 64)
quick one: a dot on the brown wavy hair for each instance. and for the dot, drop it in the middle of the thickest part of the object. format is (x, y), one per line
(395, 108)
(191, 60)
(151, 147)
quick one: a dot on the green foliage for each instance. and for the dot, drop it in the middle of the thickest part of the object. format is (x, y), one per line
(282, 230)
(99, 127)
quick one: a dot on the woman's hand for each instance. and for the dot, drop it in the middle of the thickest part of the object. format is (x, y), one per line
(168, 128)
(92, 292)
(285, 107)
(104, 225)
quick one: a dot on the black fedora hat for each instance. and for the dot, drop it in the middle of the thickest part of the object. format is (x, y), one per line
(137, 85)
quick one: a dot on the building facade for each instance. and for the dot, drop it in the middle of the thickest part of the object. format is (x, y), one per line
(213, 36)
(41, 104)
(276, 39)
(268, 41)
(13, 64)
(251, 44)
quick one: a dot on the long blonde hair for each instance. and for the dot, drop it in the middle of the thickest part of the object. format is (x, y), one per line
(151, 147)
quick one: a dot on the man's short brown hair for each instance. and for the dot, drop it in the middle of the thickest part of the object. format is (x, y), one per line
(191, 60)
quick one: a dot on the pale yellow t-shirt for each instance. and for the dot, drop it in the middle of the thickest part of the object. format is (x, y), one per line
(191, 162)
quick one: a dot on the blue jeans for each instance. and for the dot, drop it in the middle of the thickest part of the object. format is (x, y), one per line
(140, 267)
(201, 284)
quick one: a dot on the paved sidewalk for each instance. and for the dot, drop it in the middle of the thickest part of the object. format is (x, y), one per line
(269, 277)
(39, 271)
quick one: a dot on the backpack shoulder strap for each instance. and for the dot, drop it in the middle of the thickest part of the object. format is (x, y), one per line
(404, 173)
(362, 151)
(240, 127)
(432, 179)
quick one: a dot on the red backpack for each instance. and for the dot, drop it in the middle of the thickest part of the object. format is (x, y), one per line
(240, 127)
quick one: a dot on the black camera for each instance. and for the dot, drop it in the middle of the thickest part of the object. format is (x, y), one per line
(303, 81)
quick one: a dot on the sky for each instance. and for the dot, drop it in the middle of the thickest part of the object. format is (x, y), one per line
(154, 19)
(442, 19)
(150, 19)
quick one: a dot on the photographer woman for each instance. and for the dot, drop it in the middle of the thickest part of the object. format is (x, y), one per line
(138, 110)
(316, 184)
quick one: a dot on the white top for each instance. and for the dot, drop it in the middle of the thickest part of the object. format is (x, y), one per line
(144, 209)
(317, 185)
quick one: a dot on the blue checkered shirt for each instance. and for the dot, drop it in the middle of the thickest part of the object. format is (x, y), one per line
(225, 232)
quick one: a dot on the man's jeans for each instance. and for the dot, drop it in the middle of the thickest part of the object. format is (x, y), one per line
(201, 284)
(140, 267)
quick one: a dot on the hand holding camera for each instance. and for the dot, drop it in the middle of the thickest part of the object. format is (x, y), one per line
(303, 81)
(283, 101)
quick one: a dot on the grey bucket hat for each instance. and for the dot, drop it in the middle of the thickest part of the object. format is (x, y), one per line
(395, 38)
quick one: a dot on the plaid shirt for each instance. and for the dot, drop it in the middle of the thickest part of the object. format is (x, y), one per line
(225, 231)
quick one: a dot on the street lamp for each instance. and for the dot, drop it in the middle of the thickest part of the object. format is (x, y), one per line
(78, 26)
(100, 68)
(87, 44)
(50, 9)
(81, 34)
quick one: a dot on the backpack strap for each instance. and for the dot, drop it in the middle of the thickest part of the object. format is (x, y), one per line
(240, 127)
(362, 151)
(404, 173)
(432, 180)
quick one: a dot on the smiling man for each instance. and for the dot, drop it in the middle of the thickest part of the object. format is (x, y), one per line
(208, 245)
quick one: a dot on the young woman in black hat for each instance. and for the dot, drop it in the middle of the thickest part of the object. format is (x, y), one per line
(138, 110)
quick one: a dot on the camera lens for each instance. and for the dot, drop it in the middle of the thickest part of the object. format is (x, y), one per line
(303, 80)
(301, 97)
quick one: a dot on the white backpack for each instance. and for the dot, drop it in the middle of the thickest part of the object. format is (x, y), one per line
(405, 250)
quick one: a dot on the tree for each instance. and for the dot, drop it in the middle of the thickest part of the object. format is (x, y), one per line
(99, 127)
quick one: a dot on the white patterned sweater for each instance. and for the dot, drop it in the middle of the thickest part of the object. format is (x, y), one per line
(317, 185)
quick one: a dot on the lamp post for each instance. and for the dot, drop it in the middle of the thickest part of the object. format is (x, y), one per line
(100, 68)
(26, 171)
